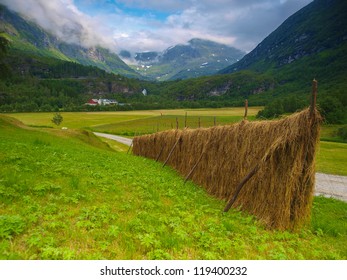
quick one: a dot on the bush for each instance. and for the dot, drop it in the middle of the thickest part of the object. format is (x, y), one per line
(10, 225)
(278, 107)
(331, 109)
(342, 132)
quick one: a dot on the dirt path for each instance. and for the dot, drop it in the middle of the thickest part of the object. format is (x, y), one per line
(331, 186)
(326, 184)
(117, 138)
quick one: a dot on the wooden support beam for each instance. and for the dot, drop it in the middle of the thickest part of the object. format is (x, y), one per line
(239, 187)
(130, 147)
(173, 148)
(195, 165)
(161, 151)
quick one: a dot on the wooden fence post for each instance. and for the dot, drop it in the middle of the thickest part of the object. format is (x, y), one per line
(214, 121)
(176, 123)
(185, 120)
(246, 110)
(313, 97)
(199, 122)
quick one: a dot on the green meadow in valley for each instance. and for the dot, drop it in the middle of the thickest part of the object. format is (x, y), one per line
(64, 194)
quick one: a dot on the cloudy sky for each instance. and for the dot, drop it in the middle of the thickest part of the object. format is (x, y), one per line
(146, 25)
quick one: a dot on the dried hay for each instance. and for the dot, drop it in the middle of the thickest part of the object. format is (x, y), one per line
(283, 151)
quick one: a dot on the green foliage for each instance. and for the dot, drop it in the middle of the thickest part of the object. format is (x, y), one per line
(57, 119)
(10, 226)
(280, 106)
(342, 132)
(66, 199)
(4, 46)
(332, 110)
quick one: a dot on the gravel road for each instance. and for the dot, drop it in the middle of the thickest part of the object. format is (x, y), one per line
(117, 138)
(326, 184)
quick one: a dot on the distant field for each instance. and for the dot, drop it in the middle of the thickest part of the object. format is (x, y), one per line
(90, 119)
(332, 158)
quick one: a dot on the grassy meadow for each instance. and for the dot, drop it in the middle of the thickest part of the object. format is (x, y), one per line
(67, 195)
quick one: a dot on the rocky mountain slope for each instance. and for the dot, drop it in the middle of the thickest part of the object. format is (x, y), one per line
(316, 32)
(196, 58)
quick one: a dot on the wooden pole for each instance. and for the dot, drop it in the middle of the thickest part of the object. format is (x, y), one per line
(130, 147)
(313, 97)
(239, 187)
(246, 109)
(244, 181)
(173, 148)
(185, 120)
(176, 123)
(195, 165)
(161, 151)
(199, 122)
(214, 121)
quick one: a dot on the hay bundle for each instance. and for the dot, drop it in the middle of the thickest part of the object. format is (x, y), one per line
(282, 152)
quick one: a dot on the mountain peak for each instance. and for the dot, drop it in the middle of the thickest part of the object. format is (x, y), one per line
(196, 58)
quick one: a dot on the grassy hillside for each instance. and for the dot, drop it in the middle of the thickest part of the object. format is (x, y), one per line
(64, 195)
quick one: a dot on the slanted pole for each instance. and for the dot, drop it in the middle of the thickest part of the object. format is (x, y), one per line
(195, 165)
(239, 187)
(130, 147)
(173, 148)
(161, 151)
(244, 181)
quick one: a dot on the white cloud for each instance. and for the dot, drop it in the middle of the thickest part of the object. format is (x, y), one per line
(242, 24)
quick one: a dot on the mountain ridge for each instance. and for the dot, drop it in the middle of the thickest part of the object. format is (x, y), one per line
(28, 37)
(301, 35)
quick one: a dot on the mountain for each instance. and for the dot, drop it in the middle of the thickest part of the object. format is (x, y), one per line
(28, 39)
(196, 58)
(312, 43)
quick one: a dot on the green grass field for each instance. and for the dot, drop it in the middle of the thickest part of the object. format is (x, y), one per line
(90, 119)
(66, 195)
